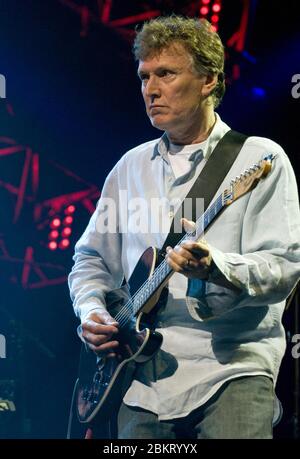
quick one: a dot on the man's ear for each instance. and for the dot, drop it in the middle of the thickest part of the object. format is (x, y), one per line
(210, 83)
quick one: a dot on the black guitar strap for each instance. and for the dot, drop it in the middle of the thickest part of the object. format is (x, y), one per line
(208, 181)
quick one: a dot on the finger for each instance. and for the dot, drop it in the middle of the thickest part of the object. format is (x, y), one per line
(109, 320)
(177, 263)
(188, 225)
(194, 260)
(176, 256)
(182, 257)
(106, 319)
(104, 348)
(102, 317)
(98, 329)
(182, 260)
(183, 252)
(197, 248)
(174, 266)
(96, 339)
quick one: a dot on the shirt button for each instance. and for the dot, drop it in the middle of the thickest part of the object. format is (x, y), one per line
(170, 214)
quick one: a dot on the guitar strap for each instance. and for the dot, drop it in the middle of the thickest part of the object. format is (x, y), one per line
(208, 181)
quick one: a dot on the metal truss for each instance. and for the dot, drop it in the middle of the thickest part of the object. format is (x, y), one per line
(124, 16)
(34, 273)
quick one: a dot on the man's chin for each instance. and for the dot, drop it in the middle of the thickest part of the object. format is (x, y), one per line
(158, 124)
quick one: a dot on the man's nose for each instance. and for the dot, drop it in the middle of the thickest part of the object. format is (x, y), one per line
(152, 88)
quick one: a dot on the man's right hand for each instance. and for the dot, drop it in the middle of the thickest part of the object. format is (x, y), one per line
(98, 329)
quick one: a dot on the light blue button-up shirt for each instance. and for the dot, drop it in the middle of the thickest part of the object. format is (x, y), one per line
(210, 333)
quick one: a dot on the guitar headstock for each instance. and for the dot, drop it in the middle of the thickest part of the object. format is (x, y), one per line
(248, 179)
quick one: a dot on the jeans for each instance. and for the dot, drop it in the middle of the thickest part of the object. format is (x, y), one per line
(241, 409)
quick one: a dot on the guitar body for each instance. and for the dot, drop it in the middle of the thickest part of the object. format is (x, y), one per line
(103, 381)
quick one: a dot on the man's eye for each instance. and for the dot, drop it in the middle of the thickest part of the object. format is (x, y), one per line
(166, 73)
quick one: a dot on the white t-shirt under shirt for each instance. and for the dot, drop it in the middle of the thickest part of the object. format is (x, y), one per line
(179, 156)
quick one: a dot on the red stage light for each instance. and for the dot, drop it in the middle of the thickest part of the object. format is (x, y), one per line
(216, 8)
(68, 220)
(205, 2)
(53, 234)
(214, 28)
(52, 245)
(204, 10)
(64, 243)
(55, 223)
(66, 232)
(70, 209)
(215, 18)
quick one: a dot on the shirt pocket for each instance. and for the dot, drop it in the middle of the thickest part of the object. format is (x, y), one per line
(206, 300)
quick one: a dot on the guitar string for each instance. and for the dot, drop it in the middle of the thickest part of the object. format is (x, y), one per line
(125, 314)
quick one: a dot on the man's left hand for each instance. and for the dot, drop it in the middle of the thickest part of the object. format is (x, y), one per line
(192, 259)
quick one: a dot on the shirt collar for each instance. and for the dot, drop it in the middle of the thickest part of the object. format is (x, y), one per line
(219, 130)
(161, 147)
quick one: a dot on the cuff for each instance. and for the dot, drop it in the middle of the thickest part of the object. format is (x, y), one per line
(222, 267)
(84, 309)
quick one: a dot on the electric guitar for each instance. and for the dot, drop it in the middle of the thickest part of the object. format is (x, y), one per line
(103, 381)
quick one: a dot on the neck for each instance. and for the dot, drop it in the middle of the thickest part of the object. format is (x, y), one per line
(196, 133)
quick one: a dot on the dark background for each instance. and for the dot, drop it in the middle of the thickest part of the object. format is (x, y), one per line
(76, 101)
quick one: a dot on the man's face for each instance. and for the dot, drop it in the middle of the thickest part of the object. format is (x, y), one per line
(172, 91)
